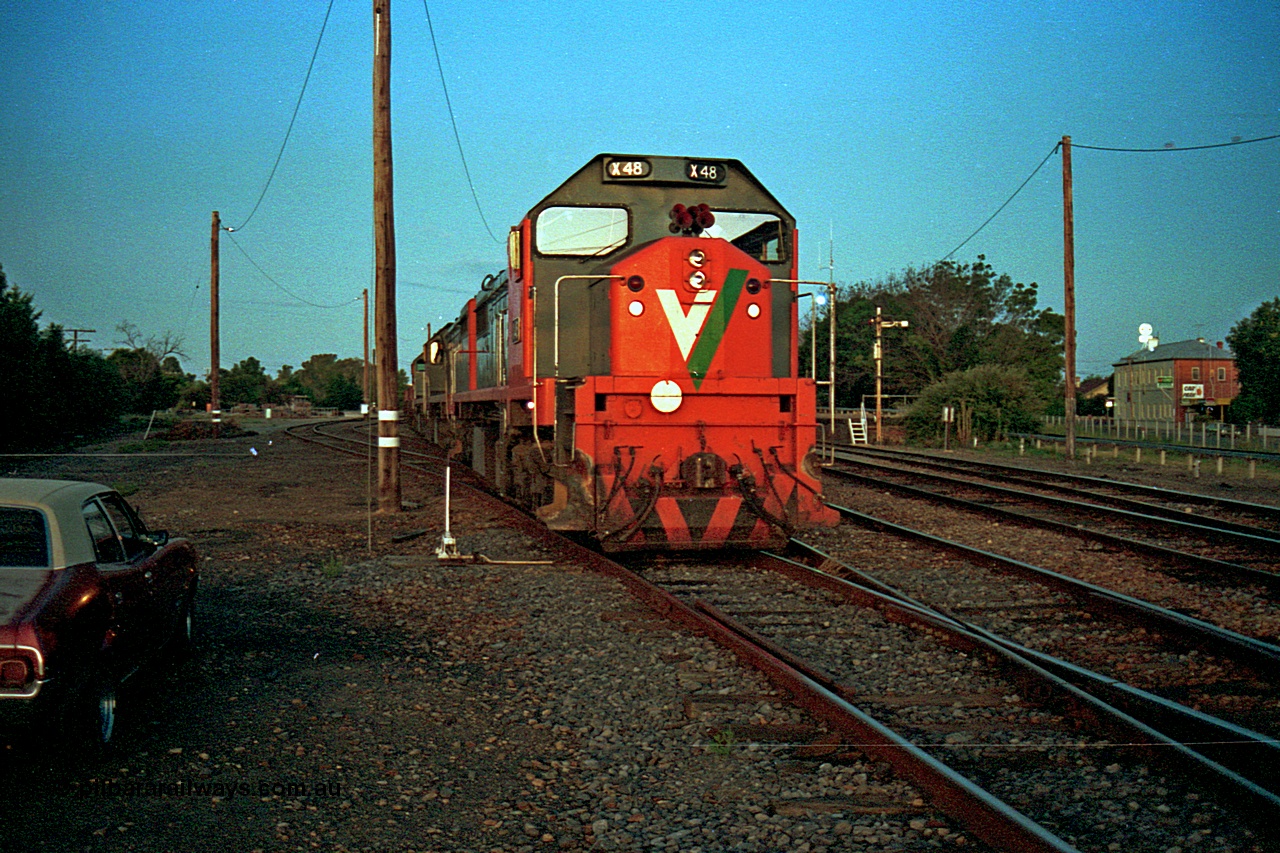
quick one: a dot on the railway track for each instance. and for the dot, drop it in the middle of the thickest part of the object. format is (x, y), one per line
(1210, 550)
(980, 707)
(1151, 500)
(969, 721)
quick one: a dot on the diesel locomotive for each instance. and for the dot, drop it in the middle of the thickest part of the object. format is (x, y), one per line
(632, 374)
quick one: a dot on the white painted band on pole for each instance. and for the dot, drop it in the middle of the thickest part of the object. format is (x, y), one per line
(388, 441)
(388, 414)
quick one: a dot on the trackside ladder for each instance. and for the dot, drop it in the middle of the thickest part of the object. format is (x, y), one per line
(858, 428)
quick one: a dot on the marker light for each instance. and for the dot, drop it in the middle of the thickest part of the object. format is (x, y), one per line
(635, 284)
(635, 308)
(753, 286)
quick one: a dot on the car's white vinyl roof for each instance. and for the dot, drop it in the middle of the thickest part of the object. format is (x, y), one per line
(61, 502)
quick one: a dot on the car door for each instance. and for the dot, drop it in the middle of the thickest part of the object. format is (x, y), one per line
(161, 568)
(128, 588)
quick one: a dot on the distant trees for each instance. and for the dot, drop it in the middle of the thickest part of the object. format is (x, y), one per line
(50, 393)
(961, 317)
(1255, 340)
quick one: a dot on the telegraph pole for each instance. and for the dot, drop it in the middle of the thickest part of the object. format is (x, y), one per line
(384, 237)
(365, 398)
(75, 336)
(1069, 296)
(215, 411)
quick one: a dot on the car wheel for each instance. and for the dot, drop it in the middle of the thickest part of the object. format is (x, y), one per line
(89, 723)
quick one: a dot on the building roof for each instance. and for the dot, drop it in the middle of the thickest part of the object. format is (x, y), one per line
(1194, 350)
(1097, 385)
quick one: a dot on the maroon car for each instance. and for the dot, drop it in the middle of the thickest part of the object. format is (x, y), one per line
(87, 597)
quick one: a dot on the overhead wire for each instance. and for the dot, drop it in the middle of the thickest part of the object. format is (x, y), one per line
(281, 287)
(1034, 172)
(288, 132)
(453, 121)
(1174, 148)
(1074, 145)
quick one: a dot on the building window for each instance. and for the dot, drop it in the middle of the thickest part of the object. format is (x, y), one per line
(1222, 374)
(1195, 374)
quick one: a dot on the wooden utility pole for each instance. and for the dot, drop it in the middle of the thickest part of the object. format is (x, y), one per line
(214, 354)
(365, 386)
(75, 336)
(384, 238)
(1069, 296)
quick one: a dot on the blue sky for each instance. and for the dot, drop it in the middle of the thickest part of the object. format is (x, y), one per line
(892, 130)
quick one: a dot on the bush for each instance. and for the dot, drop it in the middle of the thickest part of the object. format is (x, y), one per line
(990, 402)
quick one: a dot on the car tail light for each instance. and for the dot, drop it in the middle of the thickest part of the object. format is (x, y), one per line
(15, 673)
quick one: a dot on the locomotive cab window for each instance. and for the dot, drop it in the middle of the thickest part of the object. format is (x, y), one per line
(758, 234)
(583, 231)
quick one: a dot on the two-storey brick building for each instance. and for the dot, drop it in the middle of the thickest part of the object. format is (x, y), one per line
(1175, 383)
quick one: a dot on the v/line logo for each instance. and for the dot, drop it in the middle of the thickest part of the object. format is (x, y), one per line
(699, 331)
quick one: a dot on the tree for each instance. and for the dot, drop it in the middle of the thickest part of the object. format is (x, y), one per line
(52, 394)
(152, 374)
(246, 382)
(960, 316)
(1255, 341)
(990, 400)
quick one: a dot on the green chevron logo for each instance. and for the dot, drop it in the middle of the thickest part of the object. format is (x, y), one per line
(713, 329)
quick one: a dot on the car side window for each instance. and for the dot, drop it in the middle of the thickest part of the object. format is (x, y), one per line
(106, 545)
(126, 524)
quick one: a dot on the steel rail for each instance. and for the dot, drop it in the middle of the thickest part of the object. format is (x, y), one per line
(1221, 570)
(1003, 475)
(1259, 654)
(1252, 755)
(984, 815)
(1266, 510)
(1267, 543)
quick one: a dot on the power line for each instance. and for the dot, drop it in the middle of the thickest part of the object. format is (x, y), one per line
(453, 121)
(282, 288)
(1006, 203)
(292, 119)
(1169, 149)
(1166, 150)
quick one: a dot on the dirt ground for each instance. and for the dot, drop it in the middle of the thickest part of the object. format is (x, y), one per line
(300, 711)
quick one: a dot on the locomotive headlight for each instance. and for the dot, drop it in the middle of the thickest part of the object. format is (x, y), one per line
(635, 308)
(666, 396)
(696, 280)
(753, 310)
(697, 257)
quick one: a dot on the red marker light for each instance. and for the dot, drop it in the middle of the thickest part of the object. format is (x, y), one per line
(635, 284)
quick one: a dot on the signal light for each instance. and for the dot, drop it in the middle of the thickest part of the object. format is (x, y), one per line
(635, 284)
(753, 286)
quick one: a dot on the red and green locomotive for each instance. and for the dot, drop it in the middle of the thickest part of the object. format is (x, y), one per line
(632, 374)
